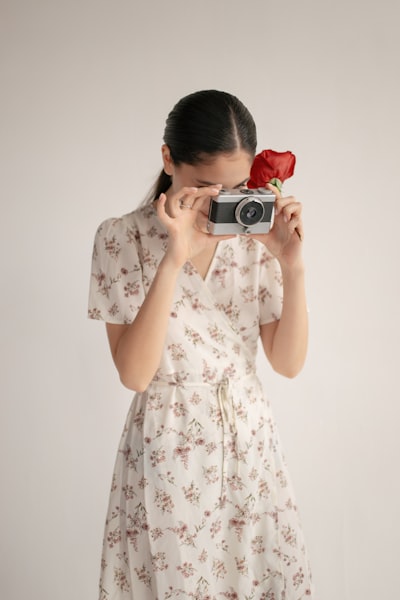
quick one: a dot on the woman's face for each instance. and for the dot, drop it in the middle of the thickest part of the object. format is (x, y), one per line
(229, 170)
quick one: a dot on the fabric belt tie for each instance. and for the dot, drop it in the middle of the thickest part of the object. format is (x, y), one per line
(228, 415)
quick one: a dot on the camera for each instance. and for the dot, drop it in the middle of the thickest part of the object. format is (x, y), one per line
(241, 211)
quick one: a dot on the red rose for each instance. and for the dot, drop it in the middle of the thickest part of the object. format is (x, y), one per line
(271, 167)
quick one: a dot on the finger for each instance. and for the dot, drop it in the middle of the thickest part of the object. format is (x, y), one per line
(182, 199)
(290, 210)
(295, 225)
(161, 212)
(205, 194)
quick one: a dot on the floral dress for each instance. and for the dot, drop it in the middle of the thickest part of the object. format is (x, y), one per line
(201, 506)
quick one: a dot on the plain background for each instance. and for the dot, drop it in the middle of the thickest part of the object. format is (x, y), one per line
(86, 86)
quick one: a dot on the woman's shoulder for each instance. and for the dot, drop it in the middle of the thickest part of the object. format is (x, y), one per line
(138, 233)
(137, 219)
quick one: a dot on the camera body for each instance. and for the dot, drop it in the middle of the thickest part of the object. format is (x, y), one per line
(241, 211)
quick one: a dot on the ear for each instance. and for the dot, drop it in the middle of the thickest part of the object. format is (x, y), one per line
(167, 160)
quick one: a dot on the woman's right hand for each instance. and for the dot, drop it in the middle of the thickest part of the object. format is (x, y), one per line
(185, 214)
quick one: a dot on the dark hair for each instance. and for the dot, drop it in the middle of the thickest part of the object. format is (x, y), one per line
(202, 125)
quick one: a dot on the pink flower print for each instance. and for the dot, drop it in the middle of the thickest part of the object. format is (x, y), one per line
(182, 452)
(177, 351)
(209, 373)
(195, 398)
(237, 525)
(288, 560)
(270, 595)
(216, 334)
(211, 447)
(260, 447)
(156, 533)
(144, 576)
(263, 489)
(157, 457)
(183, 533)
(215, 528)
(132, 235)
(179, 409)
(152, 231)
(112, 247)
(143, 483)
(114, 537)
(248, 294)
(235, 483)
(230, 371)
(203, 556)
(186, 569)
(220, 275)
(241, 412)
(282, 479)
(242, 565)
(218, 569)
(158, 561)
(94, 313)
(128, 492)
(139, 419)
(163, 501)
(253, 474)
(121, 580)
(211, 474)
(257, 545)
(289, 535)
(230, 594)
(193, 336)
(133, 536)
(113, 310)
(149, 258)
(298, 578)
(192, 493)
(154, 402)
(114, 483)
(131, 288)
(264, 295)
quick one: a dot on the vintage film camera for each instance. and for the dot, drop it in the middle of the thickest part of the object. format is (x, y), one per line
(241, 211)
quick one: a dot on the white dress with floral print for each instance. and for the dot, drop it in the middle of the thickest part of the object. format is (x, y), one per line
(201, 505)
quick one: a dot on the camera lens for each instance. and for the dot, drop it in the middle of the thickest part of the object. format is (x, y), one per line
(249, 211)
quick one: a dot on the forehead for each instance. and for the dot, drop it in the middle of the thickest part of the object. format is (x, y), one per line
(228, 169)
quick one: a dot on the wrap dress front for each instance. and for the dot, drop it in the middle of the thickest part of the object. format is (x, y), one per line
(201, 505)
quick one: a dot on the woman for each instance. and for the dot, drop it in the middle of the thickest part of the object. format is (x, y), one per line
(201, 505)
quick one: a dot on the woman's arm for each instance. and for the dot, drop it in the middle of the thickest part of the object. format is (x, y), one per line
(285, 341)
(137, 348)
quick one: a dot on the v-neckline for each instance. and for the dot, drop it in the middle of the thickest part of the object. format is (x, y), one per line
(209, 270)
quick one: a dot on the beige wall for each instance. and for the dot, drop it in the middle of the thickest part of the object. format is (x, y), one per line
(86, 86)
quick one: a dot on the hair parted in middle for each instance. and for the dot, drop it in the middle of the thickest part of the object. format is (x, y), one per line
(202, 125)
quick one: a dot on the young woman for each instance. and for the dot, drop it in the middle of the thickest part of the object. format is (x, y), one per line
(201, 505)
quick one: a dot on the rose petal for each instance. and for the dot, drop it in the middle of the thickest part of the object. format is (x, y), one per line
(269, 164)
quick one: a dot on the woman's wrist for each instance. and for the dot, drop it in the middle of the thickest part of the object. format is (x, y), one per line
(292, 270)
(169, 266)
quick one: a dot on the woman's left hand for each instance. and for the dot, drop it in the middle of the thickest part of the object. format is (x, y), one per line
(284, 239)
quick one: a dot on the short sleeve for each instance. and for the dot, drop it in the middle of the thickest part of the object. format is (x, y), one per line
(116, 289)
(270, 291)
